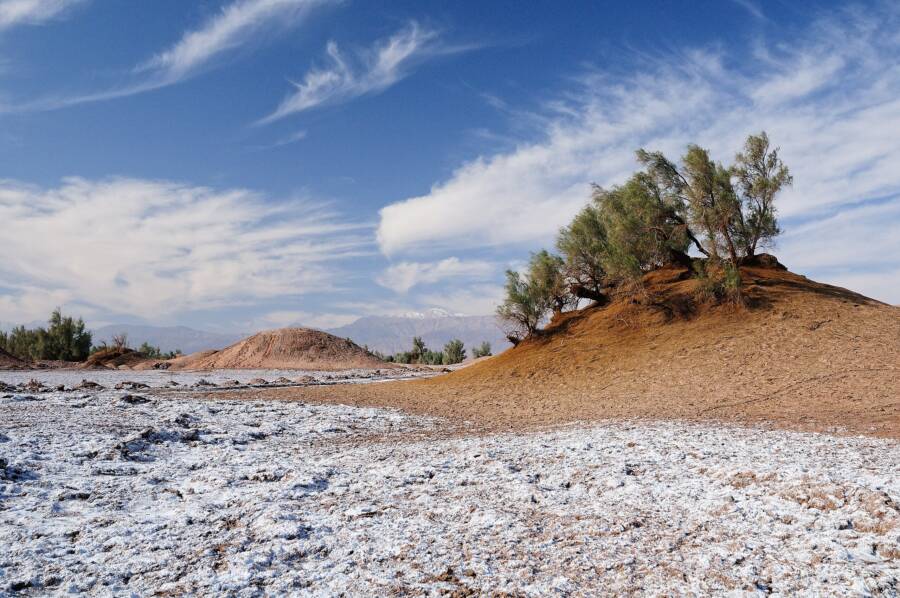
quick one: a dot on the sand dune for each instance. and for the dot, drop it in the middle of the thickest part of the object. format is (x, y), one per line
(285, 348)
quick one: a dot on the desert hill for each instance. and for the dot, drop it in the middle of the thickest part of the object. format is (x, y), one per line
(285, 348)
(801, 354)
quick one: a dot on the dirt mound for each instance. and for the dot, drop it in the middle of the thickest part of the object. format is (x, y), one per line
(285, 348)
(800, 354)
(9, 361)
(114, 358)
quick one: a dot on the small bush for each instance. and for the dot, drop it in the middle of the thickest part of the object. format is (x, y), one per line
(483, 350)
(718, 281)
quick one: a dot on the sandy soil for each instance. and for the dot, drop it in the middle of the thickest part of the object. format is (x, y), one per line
(285, 348)
(803, 356)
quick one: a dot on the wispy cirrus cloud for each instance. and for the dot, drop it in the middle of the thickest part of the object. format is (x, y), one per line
(403, 276)
(32, 12)
(830, 98)
(154, 248)
(233, 26)
(371, 71)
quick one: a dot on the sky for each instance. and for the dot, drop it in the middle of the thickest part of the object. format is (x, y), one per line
(247, 164)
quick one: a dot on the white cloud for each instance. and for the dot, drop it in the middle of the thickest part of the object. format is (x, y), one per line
(751, 7)
(403, 276)
(235, 25)
(380, 67)
(154, 248)
(473, 300)
(232, 27)
(831, 100)
(32, 12)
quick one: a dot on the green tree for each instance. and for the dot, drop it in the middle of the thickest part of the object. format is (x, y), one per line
(522, 309)
(483, 350)
(645, 228)
(760, 175)
(418, 349)
(454, 352)
(64, 339)
(584, 248)
(148, 350)
(733, 220)
(547, 274)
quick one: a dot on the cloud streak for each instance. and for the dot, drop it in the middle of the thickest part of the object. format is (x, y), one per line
(373, 71)
(404, 276)
(32, 12)
(234, 26)
(155, 248)
(830, 99)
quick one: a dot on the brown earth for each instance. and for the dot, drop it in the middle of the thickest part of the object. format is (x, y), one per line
(11, 362)
(285, 348)
(800, 354)
(115, 358)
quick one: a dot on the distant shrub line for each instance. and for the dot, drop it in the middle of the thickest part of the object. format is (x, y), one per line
(454, 352)
(66, 339)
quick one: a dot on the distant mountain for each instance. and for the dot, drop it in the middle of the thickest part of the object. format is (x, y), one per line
(167, 338)
(390, 334)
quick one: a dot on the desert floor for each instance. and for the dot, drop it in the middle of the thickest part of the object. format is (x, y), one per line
(190, 489)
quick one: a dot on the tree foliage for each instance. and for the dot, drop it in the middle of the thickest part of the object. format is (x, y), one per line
(654, 219)
(454, 352)
(482, 350)
(64, 339)
(584, 247)
(760, 175)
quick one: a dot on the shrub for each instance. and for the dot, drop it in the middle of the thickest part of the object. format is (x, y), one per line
(482, 350)
(64, 339)
(718, 280)
(454, 352)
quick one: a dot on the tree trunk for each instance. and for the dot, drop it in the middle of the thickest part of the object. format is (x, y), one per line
(583, 292)
(680, 258)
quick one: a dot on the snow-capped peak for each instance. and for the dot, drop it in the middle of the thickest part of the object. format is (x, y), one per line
(433, 312)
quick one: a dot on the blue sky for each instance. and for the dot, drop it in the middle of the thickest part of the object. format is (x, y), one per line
(244, 164)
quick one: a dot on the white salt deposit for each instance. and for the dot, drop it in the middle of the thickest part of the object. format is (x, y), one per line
(174, 495)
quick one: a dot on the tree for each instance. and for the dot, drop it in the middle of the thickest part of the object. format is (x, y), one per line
(760, 175)
(148, 350)
(733, 221)
(547, 275)
(120, 341)
(64, 339)
(454, 352)
(483, 350)
(418, 349)
(584, 246)
(644, 227)
(522, 308)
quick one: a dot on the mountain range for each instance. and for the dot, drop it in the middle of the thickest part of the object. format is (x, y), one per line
(390, 334)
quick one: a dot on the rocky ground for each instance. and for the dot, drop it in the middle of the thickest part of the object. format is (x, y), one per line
(106, 491)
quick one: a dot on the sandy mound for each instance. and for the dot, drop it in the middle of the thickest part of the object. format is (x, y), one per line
(11, 362)
(114, 358)
(285, 348)
(802, 354)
